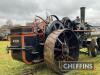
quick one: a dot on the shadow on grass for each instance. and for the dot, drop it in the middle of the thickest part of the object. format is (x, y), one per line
(36, 69)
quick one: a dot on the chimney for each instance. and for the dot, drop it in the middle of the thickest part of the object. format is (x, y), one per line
(82, 14)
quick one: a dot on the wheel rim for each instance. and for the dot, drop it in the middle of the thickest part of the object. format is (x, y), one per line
(55, 25)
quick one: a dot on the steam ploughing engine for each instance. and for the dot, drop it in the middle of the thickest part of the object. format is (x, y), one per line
(51, 41)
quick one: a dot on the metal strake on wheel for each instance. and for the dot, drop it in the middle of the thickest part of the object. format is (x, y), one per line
(60, 45)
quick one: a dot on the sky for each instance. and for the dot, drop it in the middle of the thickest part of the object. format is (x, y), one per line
(22, 11)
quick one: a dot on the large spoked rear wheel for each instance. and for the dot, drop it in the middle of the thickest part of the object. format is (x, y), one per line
(61, 45)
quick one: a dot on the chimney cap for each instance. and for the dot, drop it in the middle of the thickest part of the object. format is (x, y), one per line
(82, 7)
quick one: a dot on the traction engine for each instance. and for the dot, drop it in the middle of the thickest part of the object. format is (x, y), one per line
(50, 41)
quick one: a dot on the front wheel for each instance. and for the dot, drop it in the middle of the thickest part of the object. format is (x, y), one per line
(92, 50)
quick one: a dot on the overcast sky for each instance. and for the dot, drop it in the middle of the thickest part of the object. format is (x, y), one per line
(22, 11)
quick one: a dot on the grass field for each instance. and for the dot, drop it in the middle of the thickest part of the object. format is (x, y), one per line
(8, 66)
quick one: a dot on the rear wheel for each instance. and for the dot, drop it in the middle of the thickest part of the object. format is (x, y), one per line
(61, 45)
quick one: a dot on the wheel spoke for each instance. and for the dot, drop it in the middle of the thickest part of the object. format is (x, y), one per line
(65, 41)
(65, 38)
(57, 49)
(55, 27)
(68, 25)
(59, 40)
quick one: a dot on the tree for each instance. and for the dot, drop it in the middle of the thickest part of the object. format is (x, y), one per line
(9, 23)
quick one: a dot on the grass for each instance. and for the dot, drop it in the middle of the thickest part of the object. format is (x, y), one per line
(86, 58)
(8, 66)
